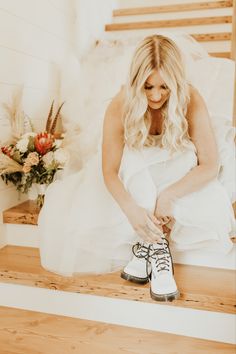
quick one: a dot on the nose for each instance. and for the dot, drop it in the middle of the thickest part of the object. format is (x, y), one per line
(156, 95)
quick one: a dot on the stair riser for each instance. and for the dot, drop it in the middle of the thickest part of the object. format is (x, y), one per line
(210, 46)
(28, 236)
(21, 235)
(217, 46)
(194, 323)
(173, 15)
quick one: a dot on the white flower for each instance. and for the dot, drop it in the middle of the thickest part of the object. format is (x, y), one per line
(27, 135)
(61, 156)
(57, 143)
(22, 145)
(48, 158)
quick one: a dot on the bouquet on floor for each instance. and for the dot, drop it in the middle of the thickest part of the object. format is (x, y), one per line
(33, 158)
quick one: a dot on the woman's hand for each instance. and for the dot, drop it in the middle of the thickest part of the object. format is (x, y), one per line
(164, 207)
(145, 224)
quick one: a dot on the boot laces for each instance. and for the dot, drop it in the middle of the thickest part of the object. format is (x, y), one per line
(141, 250)
(160, 255)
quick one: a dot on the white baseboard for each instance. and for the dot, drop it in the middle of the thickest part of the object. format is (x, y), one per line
(22, 235)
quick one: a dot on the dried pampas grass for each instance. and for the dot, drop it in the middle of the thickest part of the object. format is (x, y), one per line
(52, 123)
(19, 122)
(8, 165)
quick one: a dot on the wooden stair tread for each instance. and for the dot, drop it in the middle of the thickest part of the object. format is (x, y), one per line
(207, 37)
(169, 23)
(221, 54)
(23, 213)
(33, 332)
(201, 287)
(172, 8)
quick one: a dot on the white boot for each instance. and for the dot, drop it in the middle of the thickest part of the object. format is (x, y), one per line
(163, 285)
(138, 269)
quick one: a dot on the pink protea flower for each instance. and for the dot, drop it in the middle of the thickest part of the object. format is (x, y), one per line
(43, 143)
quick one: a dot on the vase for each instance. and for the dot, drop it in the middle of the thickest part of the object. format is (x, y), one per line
(40, 190)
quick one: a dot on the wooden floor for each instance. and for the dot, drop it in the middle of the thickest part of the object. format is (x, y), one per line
(28, 332)
(201, 287)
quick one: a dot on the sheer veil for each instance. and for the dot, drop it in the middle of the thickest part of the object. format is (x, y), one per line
(104, 69)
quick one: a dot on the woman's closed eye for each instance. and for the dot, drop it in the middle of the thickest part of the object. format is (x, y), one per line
(163, 87)
(148, 87)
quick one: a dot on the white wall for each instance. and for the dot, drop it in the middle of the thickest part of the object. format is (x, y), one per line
(35, 37)
(41, 43)
(91, 17)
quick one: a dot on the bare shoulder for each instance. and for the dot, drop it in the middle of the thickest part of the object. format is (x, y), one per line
(196, 102)
(115, 109)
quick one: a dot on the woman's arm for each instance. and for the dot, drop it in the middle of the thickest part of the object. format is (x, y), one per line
(202, 135)
(143, 222)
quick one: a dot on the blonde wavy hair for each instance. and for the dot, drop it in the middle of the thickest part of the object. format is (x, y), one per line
(160, 53)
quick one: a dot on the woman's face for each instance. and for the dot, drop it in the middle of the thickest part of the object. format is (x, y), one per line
(156, 90)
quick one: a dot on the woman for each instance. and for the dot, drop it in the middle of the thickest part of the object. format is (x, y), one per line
(160, 165)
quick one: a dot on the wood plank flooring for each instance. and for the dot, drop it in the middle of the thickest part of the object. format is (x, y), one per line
(29, 332)
(201, 287)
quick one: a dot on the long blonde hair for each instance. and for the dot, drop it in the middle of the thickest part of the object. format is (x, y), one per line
(156, 52)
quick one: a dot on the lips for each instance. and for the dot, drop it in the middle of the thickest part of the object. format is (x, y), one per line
(155, 101)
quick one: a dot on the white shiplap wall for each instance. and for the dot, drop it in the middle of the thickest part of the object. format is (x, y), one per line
(35, 38)
(41, 43)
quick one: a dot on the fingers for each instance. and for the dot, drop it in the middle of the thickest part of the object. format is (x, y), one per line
(164, 220)
(154, 219)
(166, 229)
(150, 229)
(150, 235)
(153, 231)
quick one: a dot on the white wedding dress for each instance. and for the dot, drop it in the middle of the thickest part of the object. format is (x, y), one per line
(83, 230)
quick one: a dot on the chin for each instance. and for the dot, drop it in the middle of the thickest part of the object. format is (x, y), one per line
(155, 105)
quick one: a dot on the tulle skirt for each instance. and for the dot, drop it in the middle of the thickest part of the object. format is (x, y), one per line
(83, 230)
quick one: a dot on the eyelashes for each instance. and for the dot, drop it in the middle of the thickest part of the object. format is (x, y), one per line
(164, 87)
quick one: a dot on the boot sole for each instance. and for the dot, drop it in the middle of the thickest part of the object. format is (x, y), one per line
(134, 279)
(165, 297)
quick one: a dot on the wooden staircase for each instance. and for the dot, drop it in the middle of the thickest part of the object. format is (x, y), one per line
(44, 313)
(200, 21)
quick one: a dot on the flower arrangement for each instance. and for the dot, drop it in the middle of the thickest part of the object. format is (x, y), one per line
(33, 157)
